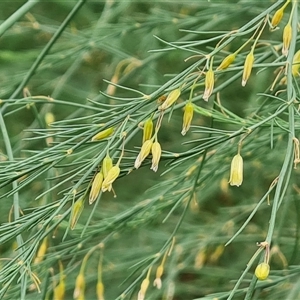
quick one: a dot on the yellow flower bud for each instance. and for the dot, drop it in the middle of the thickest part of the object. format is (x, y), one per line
(103, 134)
(79, 287)
(236, 171)
(144, 152)
(287, 37)
(226, 62)
(49, 118)
(96, 187)
(76, 211)
(148, 128)
(143, 290)
(107, 164)
(100, 291)
(296, 64)
(172, 97)
(59, 290)
(159, 272)
(209, 84)
(262, 271)
(247, 67)
(42, 251)
(187, 117)
(112, 175)
(156, 154)
(277, 17)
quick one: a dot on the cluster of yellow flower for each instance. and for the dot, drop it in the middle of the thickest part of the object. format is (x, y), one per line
(149, 144)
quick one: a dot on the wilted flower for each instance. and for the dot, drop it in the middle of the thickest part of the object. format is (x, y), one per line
(187, 117)
(96, 187)
(287, 37)
(226, 62)
(172, 97)
(247, 67)
(148, 129)
(209, 84)
(103, 134)
(262, 271)
(156, 154)
(112, 175)
(236, 171)
(144, 152)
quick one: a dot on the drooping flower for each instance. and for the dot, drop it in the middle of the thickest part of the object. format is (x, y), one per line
(226, 62)
(144, 152)
(96, 187)
(287, 37)
(107, 164)
(236, 171)
(209, 84)
(59, 290)
(42, 251)
(159, 272)
(171, 99)
(156, 154)
(277, 17)
(112, 175)
(76, 211)
(79, 286)
(247, 67)
(187, 117)
(147, 130)
(262, 271)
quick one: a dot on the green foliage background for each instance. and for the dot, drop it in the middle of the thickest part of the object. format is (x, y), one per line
(188, 204)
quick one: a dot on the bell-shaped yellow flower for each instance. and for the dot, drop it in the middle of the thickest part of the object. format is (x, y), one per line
(148, 129)
(209, 84)
(112, 175)
(187, 117)
(144, 152)
(172, 98)
(96, 187)
(156, 154)
(247, 67)
(236, 171)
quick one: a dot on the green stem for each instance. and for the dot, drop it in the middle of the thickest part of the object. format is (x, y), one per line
(286, 167)
(17, 15)
(290, 146)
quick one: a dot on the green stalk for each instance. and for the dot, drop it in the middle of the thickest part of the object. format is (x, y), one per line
(286, 167)
(17, 15)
